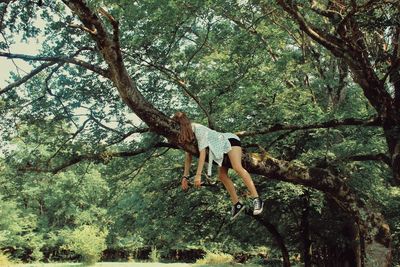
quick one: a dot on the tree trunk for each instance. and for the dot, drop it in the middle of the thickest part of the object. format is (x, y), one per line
(370, 223)
(392, 134)
(305, 226)
(277, 237)
(358, 246)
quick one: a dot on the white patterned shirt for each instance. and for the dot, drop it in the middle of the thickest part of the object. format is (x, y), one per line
(217, 143)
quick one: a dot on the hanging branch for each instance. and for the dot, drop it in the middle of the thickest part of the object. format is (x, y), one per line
(54, 60)
(26, 77)
(97, 157)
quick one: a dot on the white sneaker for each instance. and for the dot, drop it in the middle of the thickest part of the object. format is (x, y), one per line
(258, 206)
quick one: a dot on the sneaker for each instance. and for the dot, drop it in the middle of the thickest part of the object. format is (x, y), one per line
(258, 205)
(236, 210)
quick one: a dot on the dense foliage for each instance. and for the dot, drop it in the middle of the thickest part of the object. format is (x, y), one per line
(78, 167)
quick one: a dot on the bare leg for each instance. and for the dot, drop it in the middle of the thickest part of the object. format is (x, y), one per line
(235, 156)
(223, 176)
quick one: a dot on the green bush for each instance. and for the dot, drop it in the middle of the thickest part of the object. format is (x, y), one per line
(216, 258)
(155, 255)
(37, 255)
(87, 241)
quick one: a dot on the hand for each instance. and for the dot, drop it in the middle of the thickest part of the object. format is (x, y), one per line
(197, 181)
(184, 184)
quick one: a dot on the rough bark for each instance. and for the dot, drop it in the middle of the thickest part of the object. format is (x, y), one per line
(371, 224)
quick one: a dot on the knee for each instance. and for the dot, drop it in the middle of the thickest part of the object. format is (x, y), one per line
(239, 169)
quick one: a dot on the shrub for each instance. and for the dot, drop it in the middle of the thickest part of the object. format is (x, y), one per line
(87, 241)
(155, 255)
(37, 255)
(255, 261)
(215, 258)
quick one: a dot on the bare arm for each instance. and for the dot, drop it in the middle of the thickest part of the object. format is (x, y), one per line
(188, 162)
(202, 158)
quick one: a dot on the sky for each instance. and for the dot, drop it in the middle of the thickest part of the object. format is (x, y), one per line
(32, 47)
(8, 65)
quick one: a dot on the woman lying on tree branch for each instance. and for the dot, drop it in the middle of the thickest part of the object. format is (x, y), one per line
(225, 150)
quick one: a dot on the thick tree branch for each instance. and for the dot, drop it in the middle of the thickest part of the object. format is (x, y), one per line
(327, 124)
(115, 26)
(127, 88)
(322, 180)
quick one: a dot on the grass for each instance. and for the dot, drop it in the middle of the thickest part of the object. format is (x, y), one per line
(215, 259)
(133, 264)
(104, 264)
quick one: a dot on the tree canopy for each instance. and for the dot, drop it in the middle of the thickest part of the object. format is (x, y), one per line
(311, 87)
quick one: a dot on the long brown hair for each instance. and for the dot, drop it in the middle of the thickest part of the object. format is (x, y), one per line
(186, 134)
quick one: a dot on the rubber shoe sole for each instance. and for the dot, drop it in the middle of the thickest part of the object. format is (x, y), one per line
(237, 214)
(257, 212)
